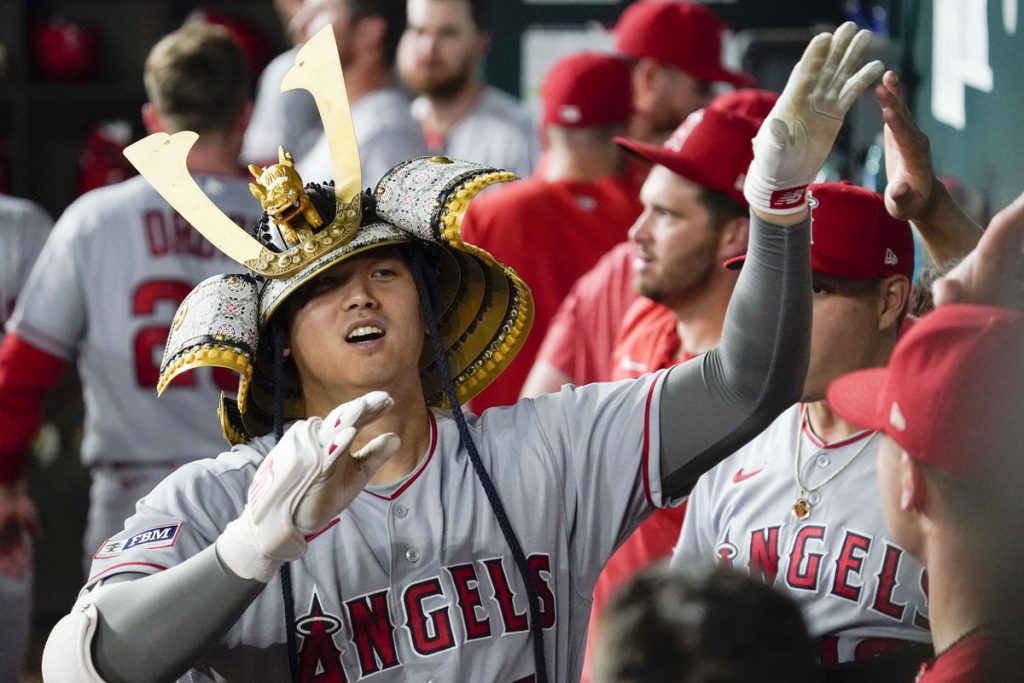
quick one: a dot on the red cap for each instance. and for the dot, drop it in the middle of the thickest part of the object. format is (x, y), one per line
(711, 147)
(853, 236)
(681, 34)
(587, 89)
(752, 102)
(953, 391)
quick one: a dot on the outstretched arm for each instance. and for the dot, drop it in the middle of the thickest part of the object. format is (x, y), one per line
(305, 481)
(711, 407)
(993, 273)
(913, 192)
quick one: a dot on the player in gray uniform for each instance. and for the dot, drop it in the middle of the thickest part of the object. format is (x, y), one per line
(381, 519)
(443, 46)
(106, 285)
(24, 227)
(367, 33)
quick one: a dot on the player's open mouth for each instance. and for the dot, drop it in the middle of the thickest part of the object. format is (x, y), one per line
(366, 333)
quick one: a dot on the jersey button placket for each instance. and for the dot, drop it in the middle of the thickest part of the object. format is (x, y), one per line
(412, 555)
(400, 511)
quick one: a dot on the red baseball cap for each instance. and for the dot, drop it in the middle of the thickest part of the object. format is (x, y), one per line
(587, 89)
(712, 148)
(853, 236)
(752, 102)
(953, 393)
(685, 35)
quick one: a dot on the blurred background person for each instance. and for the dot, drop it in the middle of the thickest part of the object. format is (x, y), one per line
(367, 33)
(24, 227)
(460, 116)
(553, 226)
(106, 285)
(663, 626)
(675, 50)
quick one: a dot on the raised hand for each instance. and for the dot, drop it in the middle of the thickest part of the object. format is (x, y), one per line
(305, 481)
(798, 134)
(992, 273)
(18, 523)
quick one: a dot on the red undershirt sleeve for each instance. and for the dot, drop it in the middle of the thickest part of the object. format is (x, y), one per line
(26, 374)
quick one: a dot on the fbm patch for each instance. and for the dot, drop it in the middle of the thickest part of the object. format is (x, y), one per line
(156, 537)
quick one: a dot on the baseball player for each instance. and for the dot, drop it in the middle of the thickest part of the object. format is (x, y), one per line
(367, 33)
(665, 626)
(24, 226)
(553, 226)
(675, 50)
(105, 287)
(413, 536)
(949, 474)
(443, 46)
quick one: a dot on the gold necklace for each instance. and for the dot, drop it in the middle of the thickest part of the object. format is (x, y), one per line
(802, 505)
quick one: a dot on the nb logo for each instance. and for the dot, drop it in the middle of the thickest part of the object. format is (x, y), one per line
(781, 199)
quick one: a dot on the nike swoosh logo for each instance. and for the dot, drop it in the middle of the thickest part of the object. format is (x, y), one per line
(742, 476)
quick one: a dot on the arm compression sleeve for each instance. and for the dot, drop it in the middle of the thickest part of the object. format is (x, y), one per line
(713, 405)
(191, 606)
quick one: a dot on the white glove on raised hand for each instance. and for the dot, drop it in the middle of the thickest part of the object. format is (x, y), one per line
(798, 134)
(305, 481)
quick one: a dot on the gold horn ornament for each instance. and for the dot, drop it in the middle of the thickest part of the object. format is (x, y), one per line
(161, 159)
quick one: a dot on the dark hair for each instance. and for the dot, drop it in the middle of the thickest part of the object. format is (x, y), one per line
(197, 78)
(478, 11)
(721, 206)
(665, 626)
(393, 14)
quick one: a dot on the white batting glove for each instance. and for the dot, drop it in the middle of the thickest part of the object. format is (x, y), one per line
(305, 481)
(798, 134)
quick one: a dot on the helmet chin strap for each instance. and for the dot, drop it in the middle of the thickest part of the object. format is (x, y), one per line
(427, 288)
(278, 349)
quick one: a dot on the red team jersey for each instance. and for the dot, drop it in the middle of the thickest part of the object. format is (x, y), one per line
(648, 341)
(551, 233)
(581, 336)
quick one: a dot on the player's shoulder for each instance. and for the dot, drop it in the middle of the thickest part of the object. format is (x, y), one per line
(498, 105)
(229, 472)
(16, 211)
(106, 202)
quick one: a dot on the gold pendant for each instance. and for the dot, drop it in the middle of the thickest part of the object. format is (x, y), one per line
(801, 509)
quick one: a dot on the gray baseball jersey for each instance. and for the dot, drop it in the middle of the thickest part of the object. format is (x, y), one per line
(854, 583)
(25, 227)
(104, 291)
(385, 132)
(414, 581)
(289, 118)
(496, 132)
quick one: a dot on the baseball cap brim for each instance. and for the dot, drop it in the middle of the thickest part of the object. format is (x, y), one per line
(717, 74)
(856, 396)
(656, 154)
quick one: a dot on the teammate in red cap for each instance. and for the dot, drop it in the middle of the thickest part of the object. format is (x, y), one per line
(581, 337)
(552, 227)
(676, 48)
(949, 405)
(950, 473)
(695, 217)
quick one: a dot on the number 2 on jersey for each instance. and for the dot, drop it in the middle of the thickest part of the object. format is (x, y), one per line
(148, 339)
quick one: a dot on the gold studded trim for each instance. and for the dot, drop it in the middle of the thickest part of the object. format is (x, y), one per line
(231, 422)
(210, 355)
(311, 245)
(454, 211)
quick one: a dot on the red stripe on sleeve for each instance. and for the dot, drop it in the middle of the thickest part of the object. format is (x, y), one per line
(647, 443)
(26, 374)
